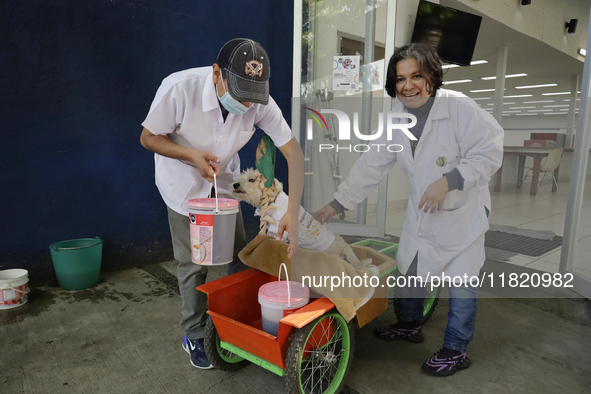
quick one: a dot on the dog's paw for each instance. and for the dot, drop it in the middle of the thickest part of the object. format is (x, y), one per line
(366, 262)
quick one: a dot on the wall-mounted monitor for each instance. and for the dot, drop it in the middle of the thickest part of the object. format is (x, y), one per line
(451, 32)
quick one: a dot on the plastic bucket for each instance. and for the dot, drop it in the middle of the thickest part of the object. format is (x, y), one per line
(279, 299)
(212, 228)
(77, 262)
(14, 288)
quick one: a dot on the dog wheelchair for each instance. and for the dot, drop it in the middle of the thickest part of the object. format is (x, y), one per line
(314, 346)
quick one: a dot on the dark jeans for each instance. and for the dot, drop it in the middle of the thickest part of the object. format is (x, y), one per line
(463, 302)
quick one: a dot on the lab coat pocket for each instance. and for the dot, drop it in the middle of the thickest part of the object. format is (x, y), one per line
(460, 226)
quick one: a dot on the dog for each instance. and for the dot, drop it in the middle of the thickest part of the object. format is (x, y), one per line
(271, 204)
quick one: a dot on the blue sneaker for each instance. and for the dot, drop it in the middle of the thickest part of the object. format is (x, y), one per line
(194, 347)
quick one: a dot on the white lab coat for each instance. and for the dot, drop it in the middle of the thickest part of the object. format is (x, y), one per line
(457, 134)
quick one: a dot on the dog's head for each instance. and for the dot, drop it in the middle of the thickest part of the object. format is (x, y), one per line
(250, 186)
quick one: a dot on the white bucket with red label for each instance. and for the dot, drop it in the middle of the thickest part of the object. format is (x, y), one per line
(14, 288)
(212, 227)
(279, 299)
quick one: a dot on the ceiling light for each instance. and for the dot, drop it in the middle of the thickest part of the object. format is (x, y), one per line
(535, 102)
(554, 113)
(506, 76)
(511, 112)
(482, 90)
(582, 52)
(554, 94)
(457, 81)
(525, 114)
(533, 106)
(482, 98)
(519, 95)
(540, 110)
(475, 62)
(556, 106)
(569, 99)
(536, 86)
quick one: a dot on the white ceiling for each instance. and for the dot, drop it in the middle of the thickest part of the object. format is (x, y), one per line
(542, 63)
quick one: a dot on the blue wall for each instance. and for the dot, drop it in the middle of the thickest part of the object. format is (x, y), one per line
(77, 79)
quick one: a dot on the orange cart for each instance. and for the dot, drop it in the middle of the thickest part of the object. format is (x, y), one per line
(313, 349)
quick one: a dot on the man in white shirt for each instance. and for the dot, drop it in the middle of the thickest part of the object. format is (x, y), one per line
(197, 123)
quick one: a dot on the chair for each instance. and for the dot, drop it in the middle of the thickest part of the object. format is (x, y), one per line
(548, 166)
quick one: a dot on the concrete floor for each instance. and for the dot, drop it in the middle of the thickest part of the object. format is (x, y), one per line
(122, 336)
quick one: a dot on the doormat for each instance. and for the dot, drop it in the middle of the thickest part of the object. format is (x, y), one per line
(503, 256)
(520, 243)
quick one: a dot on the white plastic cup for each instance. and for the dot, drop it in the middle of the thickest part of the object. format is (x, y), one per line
(279, 299)
(14, 288)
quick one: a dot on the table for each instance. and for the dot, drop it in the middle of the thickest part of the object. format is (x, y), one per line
(538, 154)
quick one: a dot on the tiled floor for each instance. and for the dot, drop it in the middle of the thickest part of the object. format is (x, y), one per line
(547, 212)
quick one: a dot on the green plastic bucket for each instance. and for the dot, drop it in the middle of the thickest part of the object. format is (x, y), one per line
(77, 262)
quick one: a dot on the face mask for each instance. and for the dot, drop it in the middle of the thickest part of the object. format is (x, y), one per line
(230, 103)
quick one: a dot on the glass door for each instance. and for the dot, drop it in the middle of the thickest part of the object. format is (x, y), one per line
(576, 248)
(342, 45)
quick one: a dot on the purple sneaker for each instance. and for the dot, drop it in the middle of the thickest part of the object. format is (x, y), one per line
(446, 362)
(401, 330)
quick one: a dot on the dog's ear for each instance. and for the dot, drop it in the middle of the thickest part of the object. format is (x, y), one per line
(261, 181)
(277, 187)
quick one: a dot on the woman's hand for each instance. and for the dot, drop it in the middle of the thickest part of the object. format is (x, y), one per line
(202, 160)
(433, 197)
(325, 214)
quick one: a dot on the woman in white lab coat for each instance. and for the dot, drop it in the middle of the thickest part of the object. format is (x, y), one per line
(459, 147)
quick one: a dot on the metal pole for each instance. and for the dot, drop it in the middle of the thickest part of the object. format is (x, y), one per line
(500, 84)
(570, 122)
(368, 55)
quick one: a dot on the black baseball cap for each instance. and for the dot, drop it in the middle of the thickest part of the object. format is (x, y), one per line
(247, 68)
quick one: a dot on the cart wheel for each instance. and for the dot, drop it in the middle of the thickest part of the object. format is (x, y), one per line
(320, 355)
(431, 301)
(220, 358)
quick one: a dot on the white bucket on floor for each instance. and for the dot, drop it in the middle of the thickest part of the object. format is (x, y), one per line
(13, 288)
(279, 299)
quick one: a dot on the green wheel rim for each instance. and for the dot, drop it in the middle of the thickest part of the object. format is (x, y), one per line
(323, 368)
(226, 355)
(429, 301)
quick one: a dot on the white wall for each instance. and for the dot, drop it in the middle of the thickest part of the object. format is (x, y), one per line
(543, 20)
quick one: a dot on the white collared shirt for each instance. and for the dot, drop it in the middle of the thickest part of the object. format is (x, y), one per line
(187, 111)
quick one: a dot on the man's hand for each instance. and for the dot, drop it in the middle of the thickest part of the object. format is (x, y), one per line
(433, 197)
(325, 214)
(202, 160)
(285, 225)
